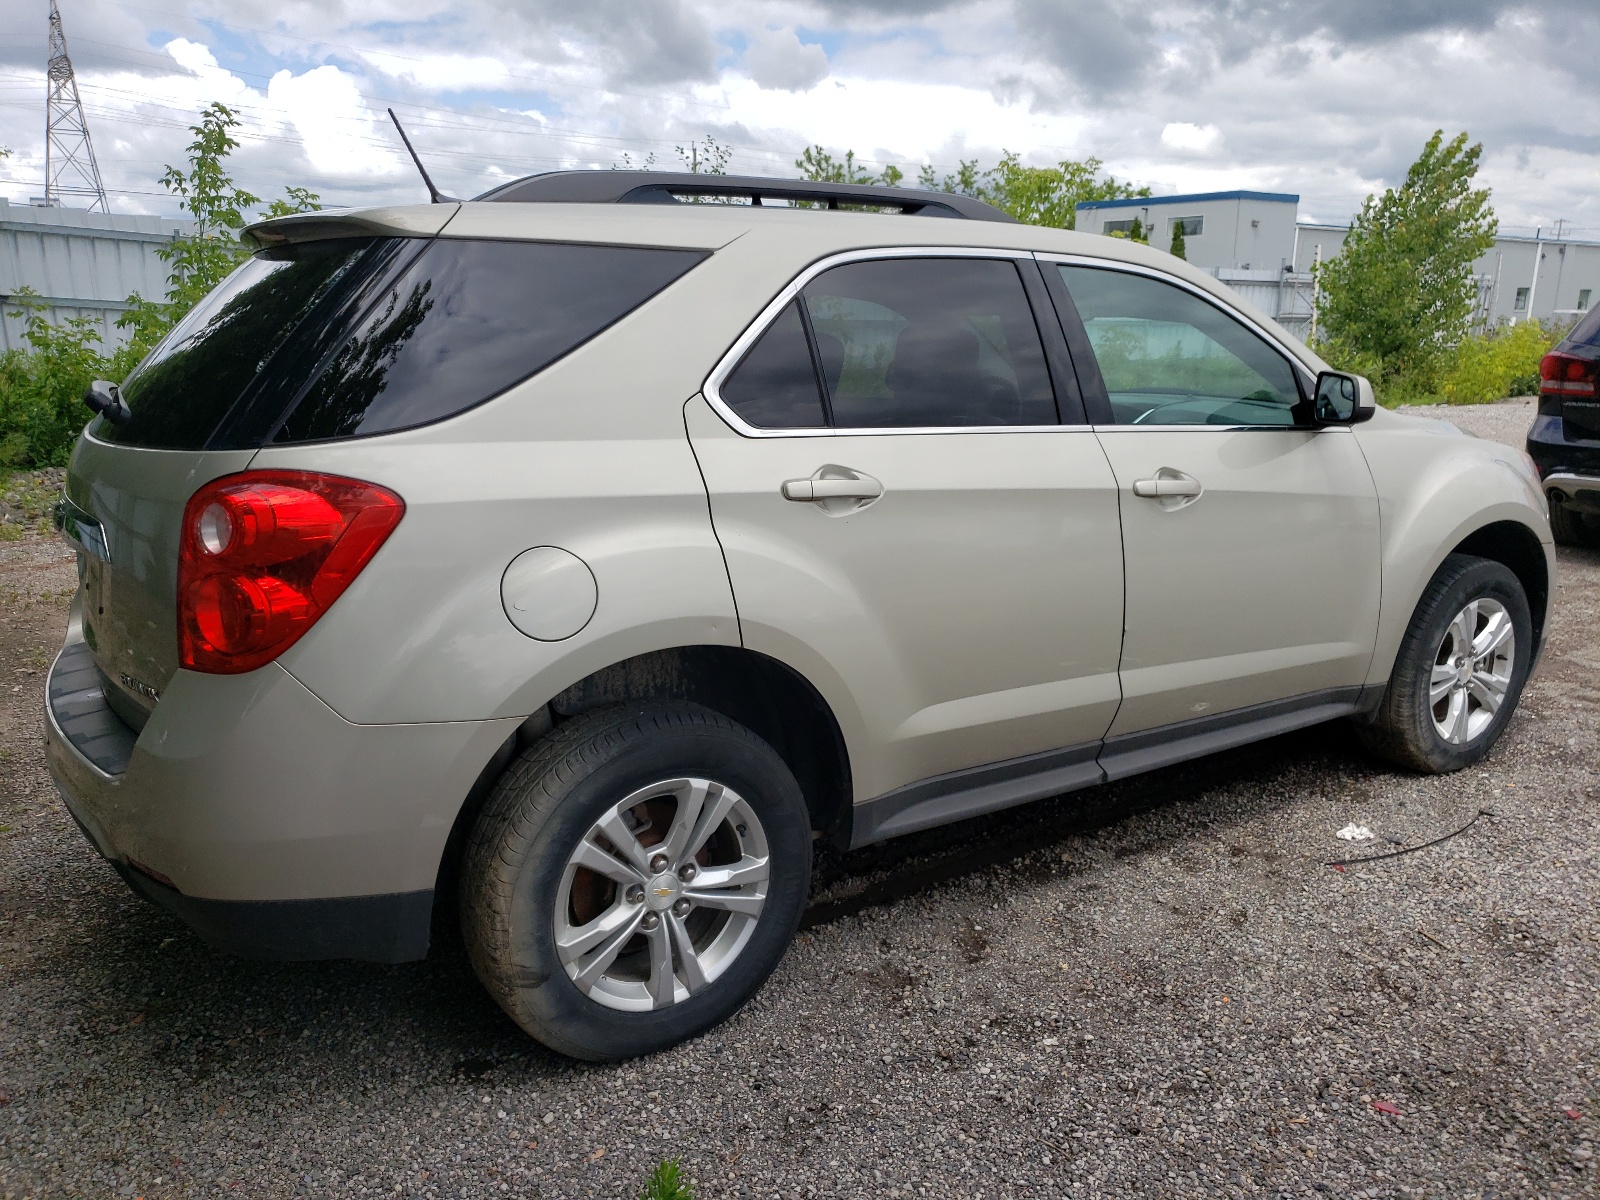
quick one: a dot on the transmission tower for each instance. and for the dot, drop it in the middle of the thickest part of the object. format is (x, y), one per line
(69, 166)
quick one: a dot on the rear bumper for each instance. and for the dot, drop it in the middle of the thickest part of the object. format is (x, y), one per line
(1569, 467)
(260, 817)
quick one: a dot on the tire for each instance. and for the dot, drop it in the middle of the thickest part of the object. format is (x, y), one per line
(1407, 728)
(1573, 528)
(522, 887)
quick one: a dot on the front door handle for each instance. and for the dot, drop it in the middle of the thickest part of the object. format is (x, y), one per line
(1171, 488)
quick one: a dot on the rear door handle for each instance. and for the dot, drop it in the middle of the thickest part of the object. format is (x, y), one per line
(861, 488)
(1170, 488)
(1166, 487)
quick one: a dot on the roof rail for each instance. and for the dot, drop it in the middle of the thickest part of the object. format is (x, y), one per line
(677, 187)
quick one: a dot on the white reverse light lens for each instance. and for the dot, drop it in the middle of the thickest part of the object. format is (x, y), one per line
(215, 529)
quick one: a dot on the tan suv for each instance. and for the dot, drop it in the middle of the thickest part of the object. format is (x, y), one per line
(588, 551)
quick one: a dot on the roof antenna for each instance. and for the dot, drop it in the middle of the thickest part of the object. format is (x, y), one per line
(434, 194)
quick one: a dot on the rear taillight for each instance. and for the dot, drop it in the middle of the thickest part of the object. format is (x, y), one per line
(1568, 375)
(264, 554)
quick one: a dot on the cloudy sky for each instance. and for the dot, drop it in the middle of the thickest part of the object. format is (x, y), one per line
(1330, 99)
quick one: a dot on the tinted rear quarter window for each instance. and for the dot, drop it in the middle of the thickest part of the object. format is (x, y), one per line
(468, 319)
(775, 385)
(332, 339)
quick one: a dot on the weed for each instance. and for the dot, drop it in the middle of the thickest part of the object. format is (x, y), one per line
(666, 1182)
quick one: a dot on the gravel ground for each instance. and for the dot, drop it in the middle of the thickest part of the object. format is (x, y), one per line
(1156, 989)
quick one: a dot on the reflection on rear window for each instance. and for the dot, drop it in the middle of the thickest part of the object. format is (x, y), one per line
(1587, 331)
(185, 388)
(338, 338)
(468, 319)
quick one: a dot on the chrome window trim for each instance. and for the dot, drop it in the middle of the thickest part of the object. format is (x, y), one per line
(1303, 373)
(711, 389)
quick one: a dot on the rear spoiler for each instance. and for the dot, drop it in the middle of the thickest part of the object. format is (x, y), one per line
(411, 220)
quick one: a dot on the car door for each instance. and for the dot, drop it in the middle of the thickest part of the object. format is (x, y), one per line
(921, 536)
(1251, 538)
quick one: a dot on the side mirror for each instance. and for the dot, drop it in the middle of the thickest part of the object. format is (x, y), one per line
(106, 399)
(1342, 399)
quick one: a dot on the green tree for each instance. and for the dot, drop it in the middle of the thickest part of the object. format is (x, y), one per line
(1035, 195)
(1399, 296)
(705, 157)
(816, 163)
(209, 194)
(1179, 250)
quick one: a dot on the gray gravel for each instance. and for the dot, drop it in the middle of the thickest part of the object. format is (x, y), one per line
(1157, 989)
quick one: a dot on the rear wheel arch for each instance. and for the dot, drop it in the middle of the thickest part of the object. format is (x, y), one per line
(766, 696)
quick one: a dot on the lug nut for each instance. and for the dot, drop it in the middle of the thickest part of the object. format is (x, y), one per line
(635, 893)
(681, 908)
(658, 863)
(650, 921)
(688, 871)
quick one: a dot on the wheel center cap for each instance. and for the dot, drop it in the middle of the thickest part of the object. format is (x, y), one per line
(662, 892)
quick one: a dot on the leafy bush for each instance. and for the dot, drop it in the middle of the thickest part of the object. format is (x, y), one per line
(1490, 366)
(41, 388)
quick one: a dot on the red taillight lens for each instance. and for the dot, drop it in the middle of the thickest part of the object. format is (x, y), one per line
(1568, 375)
(264, 554)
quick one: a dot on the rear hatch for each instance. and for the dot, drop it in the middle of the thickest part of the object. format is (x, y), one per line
(201, 404)
(340, 326)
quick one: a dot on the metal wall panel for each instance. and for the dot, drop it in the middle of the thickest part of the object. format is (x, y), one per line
(81, 264)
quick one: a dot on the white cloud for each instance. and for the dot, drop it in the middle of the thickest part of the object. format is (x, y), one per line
(905, 120)
(777, 58)
(1190, 139)
(216, 83)
(336, 129)
(442, 72)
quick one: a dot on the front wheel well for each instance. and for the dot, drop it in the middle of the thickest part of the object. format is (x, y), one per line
(1518, 549)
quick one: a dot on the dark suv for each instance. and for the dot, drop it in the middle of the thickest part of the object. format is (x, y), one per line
(1564, 441)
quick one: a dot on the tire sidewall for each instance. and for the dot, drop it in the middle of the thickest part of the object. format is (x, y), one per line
(1483, 580)
(549, 1004)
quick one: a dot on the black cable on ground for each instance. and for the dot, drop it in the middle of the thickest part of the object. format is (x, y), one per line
(1350, 862)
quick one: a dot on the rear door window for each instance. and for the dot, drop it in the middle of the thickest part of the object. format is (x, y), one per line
(929, 342)
(467, 320)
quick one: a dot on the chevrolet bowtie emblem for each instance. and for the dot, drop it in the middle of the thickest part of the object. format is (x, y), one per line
(663, 891)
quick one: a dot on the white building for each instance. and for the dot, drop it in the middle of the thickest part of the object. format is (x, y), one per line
(1255, 243)
(81, 264)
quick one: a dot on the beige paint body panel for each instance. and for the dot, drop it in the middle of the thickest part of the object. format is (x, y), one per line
(247, 787)
(1436, 486)
(138, 496)
(1265, 587)
(970, 614)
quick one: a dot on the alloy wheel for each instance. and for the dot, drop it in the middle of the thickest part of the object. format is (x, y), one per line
(1472, 670)
(662, 894)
